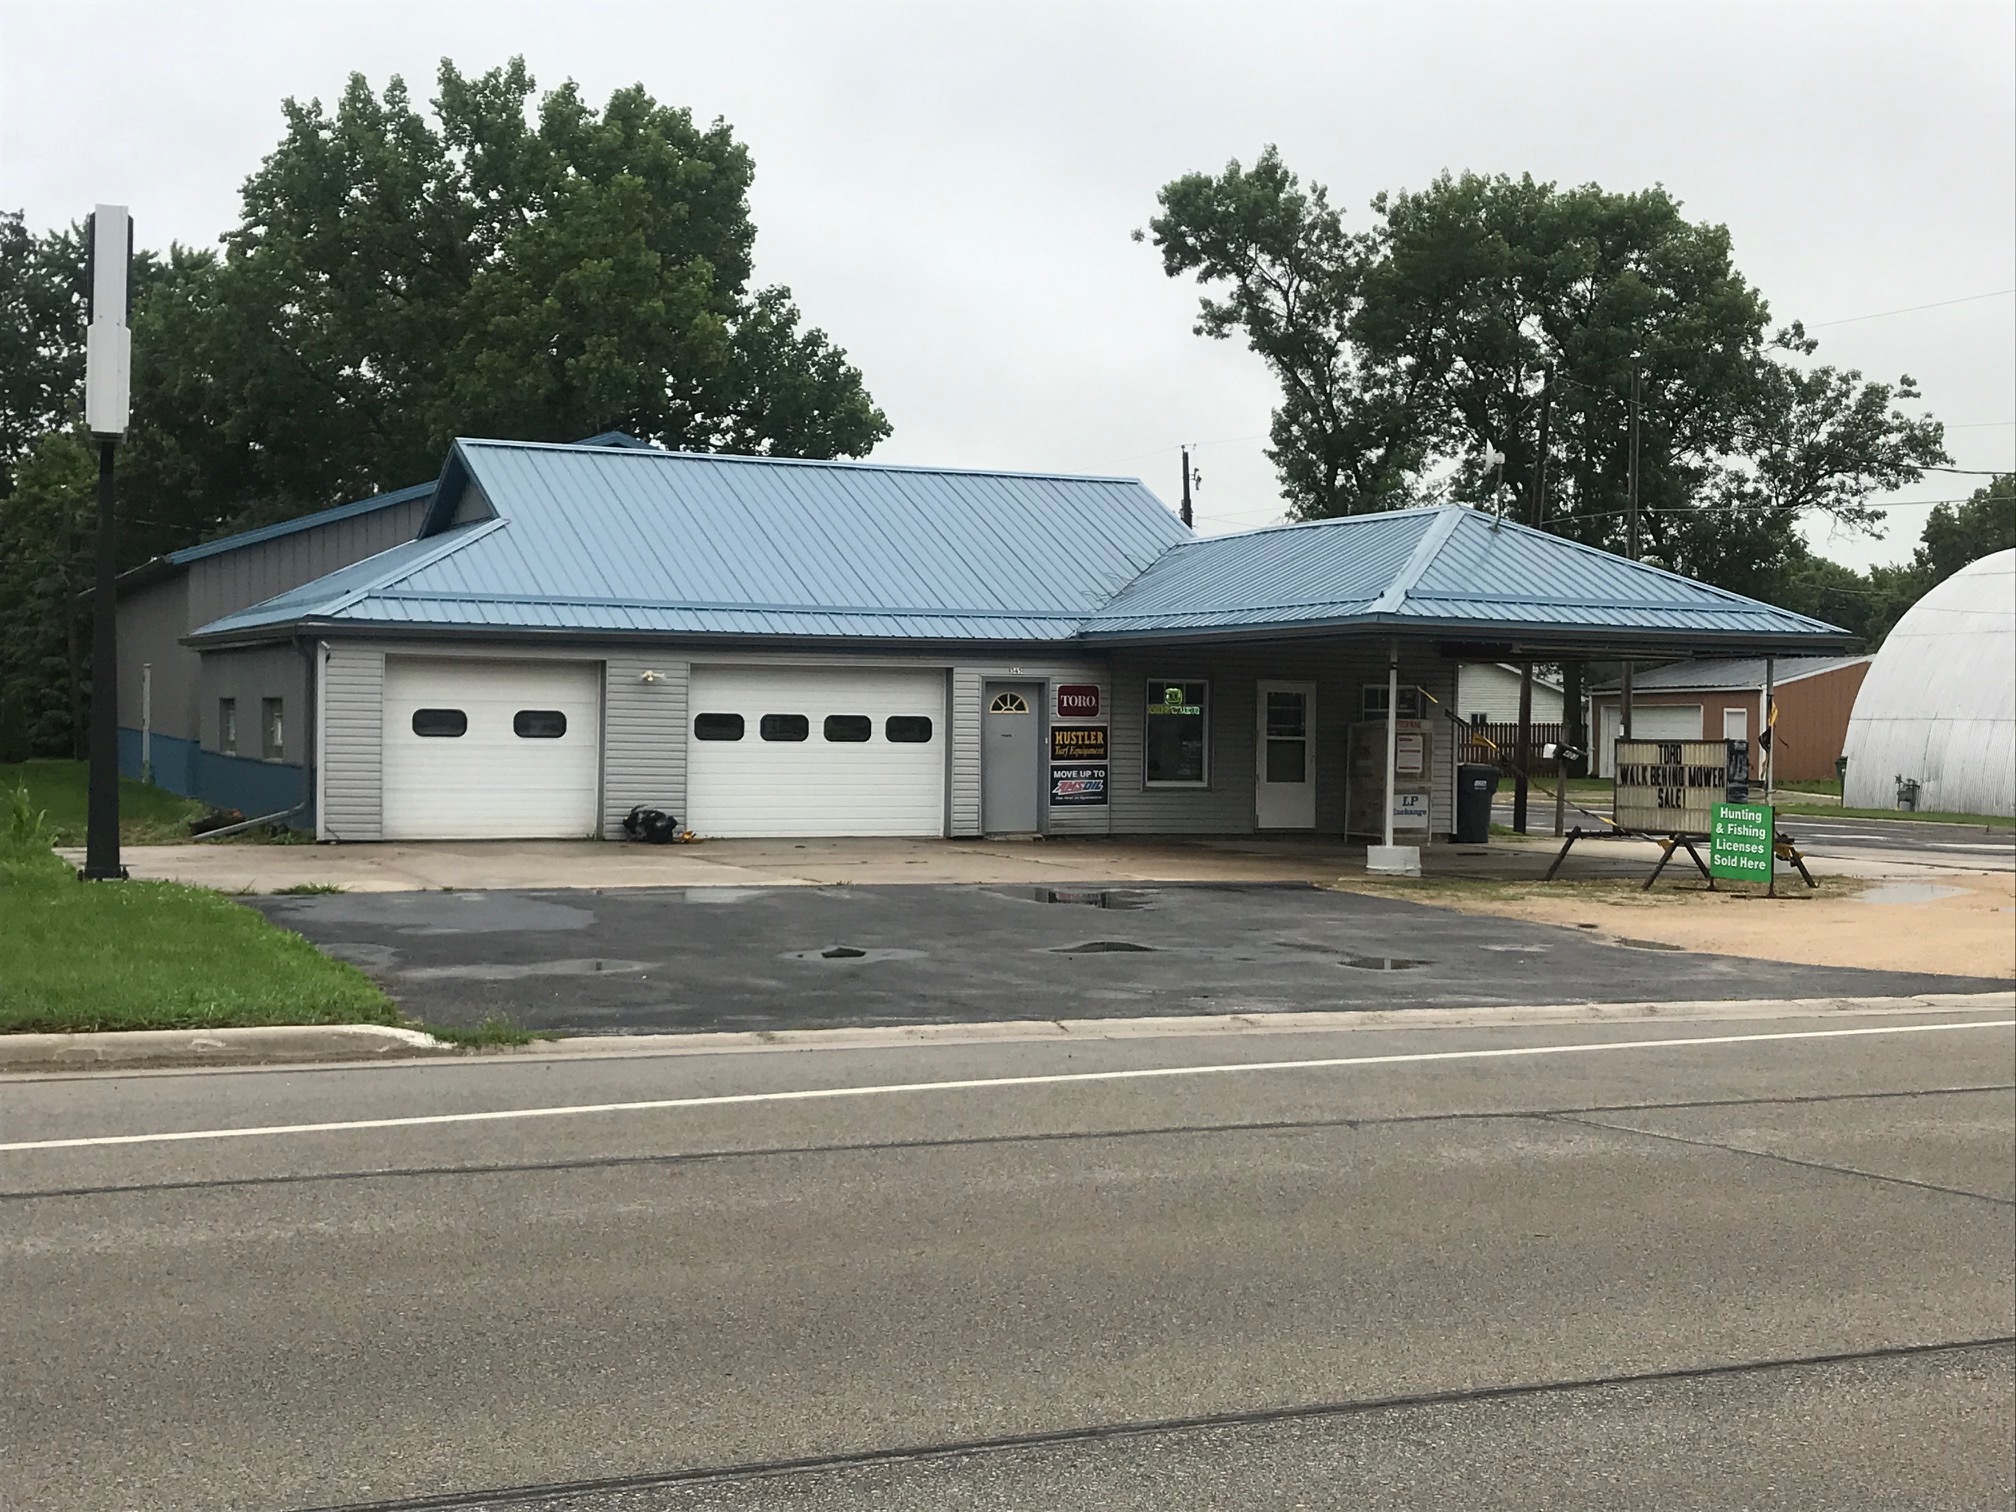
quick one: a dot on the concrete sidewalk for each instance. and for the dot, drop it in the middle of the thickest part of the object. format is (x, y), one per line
(484, 865)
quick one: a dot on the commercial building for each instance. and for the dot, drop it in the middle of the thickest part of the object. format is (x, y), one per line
(764, 647)
(1719, 698)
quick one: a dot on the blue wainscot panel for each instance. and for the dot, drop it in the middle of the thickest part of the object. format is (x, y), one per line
(254, 788)
(175, 762)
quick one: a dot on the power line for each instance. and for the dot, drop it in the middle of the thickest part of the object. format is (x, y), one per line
(1937, 304)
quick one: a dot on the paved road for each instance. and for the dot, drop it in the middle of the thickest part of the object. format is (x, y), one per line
(1549, 1268)
(638, 960)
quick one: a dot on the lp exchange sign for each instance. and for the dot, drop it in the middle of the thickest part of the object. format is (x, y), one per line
(1740, 841)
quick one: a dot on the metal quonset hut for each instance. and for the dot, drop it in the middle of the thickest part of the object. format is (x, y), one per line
(1938, 707)
(763, 647)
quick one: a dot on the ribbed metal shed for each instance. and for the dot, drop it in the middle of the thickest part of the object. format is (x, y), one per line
(639, 541)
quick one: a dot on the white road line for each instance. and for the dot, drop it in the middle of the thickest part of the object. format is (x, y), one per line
(813, 1094)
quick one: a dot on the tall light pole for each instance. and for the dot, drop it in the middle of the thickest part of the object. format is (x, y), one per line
(108, 370)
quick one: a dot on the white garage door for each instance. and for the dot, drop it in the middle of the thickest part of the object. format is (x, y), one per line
(491, 750)
(1648, 722)
(788, 751)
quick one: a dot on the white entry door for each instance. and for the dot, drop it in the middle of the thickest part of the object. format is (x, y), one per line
(481, 749)
(816, 751)
(1285, 795)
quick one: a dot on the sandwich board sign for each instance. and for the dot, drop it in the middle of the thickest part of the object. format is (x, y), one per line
(1740, 842)
(1670, 787)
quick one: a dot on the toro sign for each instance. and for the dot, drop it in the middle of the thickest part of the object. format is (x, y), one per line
(1078, 701)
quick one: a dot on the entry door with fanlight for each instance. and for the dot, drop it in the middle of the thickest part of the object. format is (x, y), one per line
(1285, 794)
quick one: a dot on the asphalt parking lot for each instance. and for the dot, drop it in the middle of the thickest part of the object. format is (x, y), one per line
(638, 961)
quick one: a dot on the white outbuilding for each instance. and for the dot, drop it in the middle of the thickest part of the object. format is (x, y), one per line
(1938, 708)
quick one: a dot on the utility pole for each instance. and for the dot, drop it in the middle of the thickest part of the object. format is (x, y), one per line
(1630, 541)
(108, 361)
(1536, 516)
(1186, 487)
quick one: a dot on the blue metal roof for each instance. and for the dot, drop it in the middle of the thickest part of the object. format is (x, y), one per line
(1450, 570)
(676, 542)
(354, 508)
(592, 539)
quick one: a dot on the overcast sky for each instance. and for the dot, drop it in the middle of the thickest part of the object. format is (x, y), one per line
(948, 189)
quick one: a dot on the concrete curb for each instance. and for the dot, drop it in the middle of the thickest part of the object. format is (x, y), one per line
(213, 1047)
(740, 1042)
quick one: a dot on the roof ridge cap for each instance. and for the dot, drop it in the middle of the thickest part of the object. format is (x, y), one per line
(443, 548)
(661, 453)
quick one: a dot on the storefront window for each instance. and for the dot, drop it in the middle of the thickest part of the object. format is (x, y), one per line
(1178, 733)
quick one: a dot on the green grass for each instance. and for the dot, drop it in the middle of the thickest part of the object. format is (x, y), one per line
(307, 889)
(1834, 811)
(60, 789)
(491, 1033)
(82, 956)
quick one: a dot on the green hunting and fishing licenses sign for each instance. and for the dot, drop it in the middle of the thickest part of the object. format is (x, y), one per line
(1739, 842)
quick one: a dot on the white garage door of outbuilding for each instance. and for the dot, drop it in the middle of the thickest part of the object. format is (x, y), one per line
(477, 749)
(1648, 722)
(796, 751)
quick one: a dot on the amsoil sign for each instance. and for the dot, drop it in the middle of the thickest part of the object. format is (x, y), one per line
(1078, 701)
(1077, 784)
(1670, 787)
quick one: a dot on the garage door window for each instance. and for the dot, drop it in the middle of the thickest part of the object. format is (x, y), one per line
(539, 724)
(849, 729)
(440, 724)
(717, 726)
(784, 727)
(907, 729)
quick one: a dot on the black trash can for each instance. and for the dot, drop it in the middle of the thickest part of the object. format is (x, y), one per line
(1476, 786)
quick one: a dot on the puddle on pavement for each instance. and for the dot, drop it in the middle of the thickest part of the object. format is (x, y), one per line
(1380, 963)
(852, 955)
(1083, 897)
(1909, 892)
(1518, 949)
(1101, 947)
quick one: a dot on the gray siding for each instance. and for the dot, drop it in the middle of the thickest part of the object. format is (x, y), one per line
(643, 737)
(152, 621)
(249, 676)
(353, 763)
(645, 728)
(969, 681)
(1226, 806)
(220, 584)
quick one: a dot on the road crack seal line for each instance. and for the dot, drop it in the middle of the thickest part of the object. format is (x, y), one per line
(504, 1496)
(1792, 1160)
(972, 1141)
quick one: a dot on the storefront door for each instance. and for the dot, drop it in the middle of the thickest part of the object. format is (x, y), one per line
(1285, 795)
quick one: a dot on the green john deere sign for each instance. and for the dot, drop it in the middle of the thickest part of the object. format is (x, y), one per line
(1739, 842)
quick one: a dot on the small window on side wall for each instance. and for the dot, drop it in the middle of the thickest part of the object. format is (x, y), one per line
(717, 726)
(227, 726)
(1372, 702)
(784, 727)
(272, 729)
(849, 729)
(538, 724)
(440, 724)
(907, 729)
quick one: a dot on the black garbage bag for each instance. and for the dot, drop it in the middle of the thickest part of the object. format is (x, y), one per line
(651, 826)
